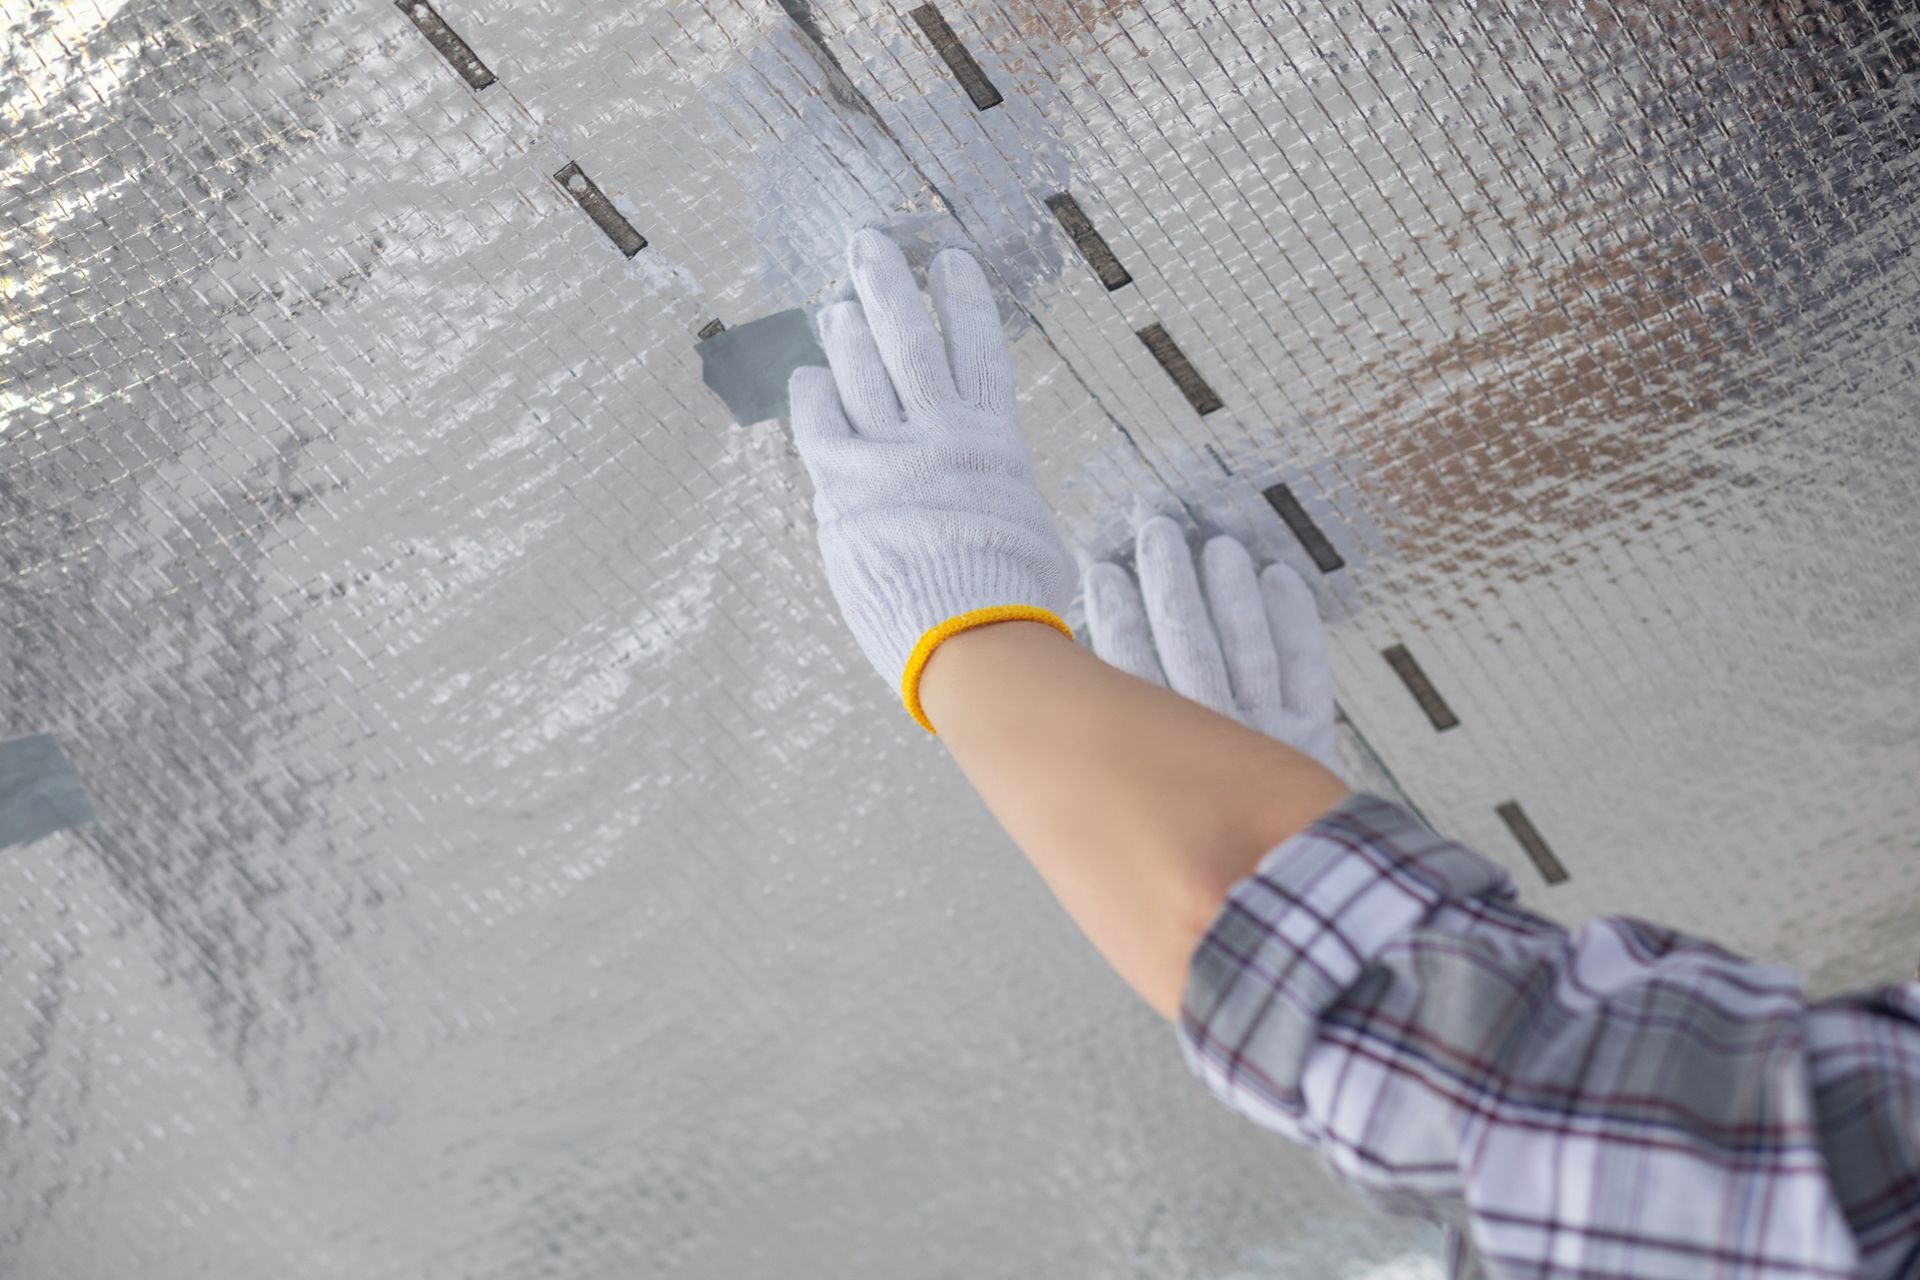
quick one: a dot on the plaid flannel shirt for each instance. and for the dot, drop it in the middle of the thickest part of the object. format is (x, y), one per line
(1620, 1100)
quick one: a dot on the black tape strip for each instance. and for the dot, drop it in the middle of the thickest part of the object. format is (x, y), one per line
(1288, 507)
(1523, 830)
(1092, 245)
(1402, 661)
(1180, 369)
(609, 219)
(955, 55)
(443, 38)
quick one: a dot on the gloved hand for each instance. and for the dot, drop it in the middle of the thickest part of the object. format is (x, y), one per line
(1247, 646)
(930, 520)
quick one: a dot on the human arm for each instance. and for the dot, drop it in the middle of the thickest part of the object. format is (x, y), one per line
(1620, 1100)
(1138, 807)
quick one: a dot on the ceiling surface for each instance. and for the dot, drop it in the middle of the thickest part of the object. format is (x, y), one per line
(501, 862)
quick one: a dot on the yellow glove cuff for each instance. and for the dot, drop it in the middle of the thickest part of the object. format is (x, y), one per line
(935, 636)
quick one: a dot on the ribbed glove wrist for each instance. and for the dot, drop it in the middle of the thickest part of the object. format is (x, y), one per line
(930, 519)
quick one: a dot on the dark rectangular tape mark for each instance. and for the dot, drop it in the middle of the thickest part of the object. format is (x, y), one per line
(955, 55)
(1180, 369)
(1404, 665)
(443, 38)
(1092, 245)
(39, 791)
(1316, 544)
(1523, 830)
(748, 365)
(600, 209)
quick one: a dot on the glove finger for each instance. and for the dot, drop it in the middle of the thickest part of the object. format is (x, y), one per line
(1306, 682)
(865, 390)
(912, 349)
(976, 347)
(820, 429)
(1151, 503)
(813, 402)
(1117, 623)
(1240, 621)
(1182, 630)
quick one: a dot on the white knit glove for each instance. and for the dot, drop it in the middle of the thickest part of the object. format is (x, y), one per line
(930, 520)
(1248, 646)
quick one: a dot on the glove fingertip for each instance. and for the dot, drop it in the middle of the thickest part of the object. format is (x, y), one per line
(869, 244)
(1117, 625)
(954, 268)
(1223, 554)
(1158, 503)
(813, 402)
(1160, 536)
(1103, 582)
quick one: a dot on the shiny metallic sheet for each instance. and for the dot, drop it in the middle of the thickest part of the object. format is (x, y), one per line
(505, 866)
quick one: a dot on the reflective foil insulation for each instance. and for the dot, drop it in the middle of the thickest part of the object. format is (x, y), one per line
(445, 830)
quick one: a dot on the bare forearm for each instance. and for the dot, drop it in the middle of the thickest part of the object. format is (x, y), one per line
(1138, 808)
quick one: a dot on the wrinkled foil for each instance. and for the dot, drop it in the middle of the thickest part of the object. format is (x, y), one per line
(504, 864)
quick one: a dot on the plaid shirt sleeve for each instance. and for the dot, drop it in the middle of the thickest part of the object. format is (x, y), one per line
(1616, 1101)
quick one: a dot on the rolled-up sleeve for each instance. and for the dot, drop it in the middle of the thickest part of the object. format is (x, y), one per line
(1616, 1100)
